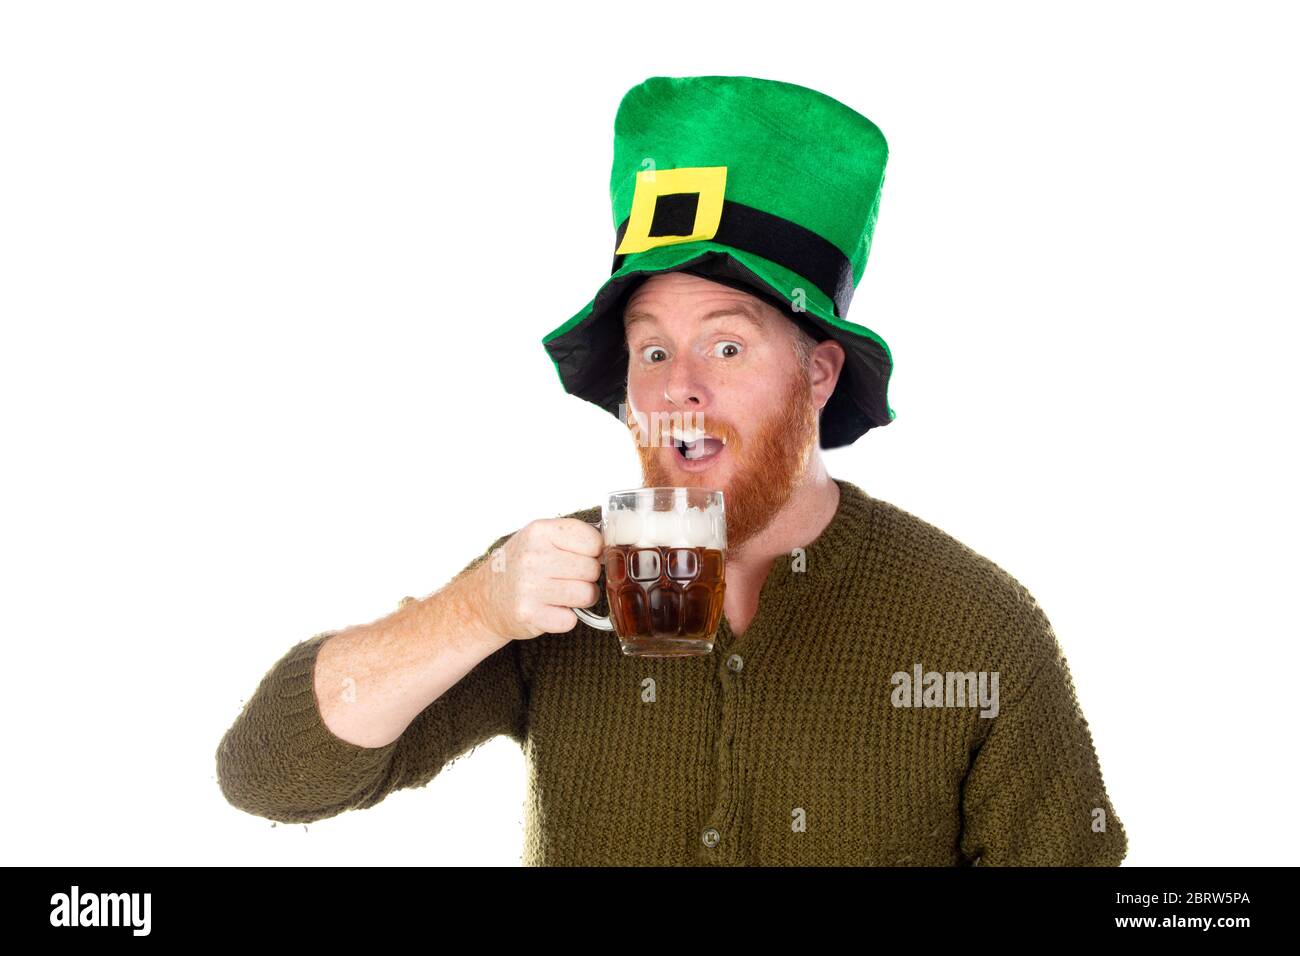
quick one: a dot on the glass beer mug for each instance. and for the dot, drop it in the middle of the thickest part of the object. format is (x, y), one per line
(664, 570)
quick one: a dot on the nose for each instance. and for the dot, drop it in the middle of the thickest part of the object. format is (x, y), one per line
(685, 387)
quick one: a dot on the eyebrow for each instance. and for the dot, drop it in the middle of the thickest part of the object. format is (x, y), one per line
(743, 311)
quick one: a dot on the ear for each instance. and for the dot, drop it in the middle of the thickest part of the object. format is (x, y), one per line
(825, 363)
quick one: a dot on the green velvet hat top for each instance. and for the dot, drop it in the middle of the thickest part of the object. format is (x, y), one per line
(765, 186)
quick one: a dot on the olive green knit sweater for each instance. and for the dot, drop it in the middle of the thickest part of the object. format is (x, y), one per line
(788, 745)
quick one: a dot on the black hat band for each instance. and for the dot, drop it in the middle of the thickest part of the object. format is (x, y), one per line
(779, 240)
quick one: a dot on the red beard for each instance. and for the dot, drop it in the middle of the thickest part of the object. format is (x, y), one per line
(765, 469)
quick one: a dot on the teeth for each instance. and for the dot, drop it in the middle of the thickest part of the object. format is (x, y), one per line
(687, 437)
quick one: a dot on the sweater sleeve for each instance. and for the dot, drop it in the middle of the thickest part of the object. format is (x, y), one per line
(280, 761)
(1034, 795)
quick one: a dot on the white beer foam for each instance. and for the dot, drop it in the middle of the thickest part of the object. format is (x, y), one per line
(689, 528)
(624, 527)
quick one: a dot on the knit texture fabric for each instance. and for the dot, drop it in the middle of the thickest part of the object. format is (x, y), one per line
(788, 745)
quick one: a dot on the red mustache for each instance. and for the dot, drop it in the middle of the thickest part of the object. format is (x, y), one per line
(660, 425)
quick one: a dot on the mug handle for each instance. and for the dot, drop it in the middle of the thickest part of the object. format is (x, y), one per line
(598, 621)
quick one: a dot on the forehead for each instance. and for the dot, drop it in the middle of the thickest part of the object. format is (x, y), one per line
(739, 310)
(663, 297)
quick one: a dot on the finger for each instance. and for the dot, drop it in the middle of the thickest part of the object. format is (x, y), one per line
(576, 567)
(561, 592)
(572, 534)
(556, 620)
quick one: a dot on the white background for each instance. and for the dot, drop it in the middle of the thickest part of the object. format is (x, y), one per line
(273, 280)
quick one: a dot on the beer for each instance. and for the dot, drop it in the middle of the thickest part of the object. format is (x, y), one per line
(664, 560)
(663, 600)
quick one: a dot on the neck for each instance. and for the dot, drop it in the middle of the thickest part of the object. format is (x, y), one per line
(812, 505)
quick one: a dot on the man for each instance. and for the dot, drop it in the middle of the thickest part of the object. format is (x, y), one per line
(878, 692)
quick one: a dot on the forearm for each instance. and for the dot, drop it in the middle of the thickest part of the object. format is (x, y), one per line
(372, 680)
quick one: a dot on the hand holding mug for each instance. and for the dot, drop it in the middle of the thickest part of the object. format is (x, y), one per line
(545, 569)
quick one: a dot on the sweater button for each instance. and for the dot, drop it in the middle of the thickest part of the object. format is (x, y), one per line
(735, 662)
(711, 837)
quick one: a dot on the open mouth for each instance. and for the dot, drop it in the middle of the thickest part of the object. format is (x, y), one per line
(700, 448)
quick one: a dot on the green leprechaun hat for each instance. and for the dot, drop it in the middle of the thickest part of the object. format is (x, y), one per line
(766, 186)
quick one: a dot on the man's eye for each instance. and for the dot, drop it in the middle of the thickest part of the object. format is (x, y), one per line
(720, 349)
(650, 350)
